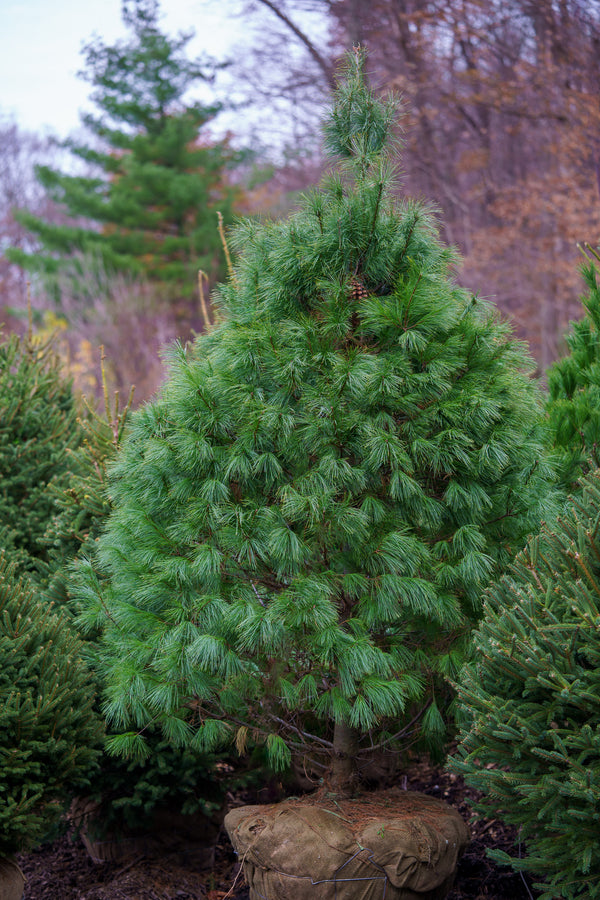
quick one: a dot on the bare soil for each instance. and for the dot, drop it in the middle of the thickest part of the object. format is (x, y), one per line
(63, 870)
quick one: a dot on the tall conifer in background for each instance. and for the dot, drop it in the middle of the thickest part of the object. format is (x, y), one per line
(151, 209)
(305, 520)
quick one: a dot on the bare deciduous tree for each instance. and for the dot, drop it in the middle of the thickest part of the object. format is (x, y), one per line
(20, 152)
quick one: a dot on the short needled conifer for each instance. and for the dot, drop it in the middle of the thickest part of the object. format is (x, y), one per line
(304, 521)
(125, 794)
(38, 431)
(531, 701)
(49, 734)
(574, 388)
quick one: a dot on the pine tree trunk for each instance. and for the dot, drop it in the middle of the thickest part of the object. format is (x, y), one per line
(344, 772)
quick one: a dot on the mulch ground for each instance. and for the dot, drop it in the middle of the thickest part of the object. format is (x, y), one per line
(63, 870)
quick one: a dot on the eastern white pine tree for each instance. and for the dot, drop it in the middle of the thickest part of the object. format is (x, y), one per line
(305, 520)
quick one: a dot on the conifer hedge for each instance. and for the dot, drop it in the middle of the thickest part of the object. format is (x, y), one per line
(305, 519)
(530, 698)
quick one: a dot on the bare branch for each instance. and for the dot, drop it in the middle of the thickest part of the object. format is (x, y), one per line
(325, 67)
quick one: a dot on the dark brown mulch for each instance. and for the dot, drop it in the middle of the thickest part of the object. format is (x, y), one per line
(63, 870)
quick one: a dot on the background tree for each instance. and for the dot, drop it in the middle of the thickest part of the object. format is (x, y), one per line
(151, 207)
(20, 152)
(305, 519)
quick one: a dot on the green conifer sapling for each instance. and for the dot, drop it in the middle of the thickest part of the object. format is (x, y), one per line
(49, 733)
(574, 387)
(530, 701)
(38, 432)
(125, 793)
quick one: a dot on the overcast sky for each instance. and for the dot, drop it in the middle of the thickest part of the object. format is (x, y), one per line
(40, 51)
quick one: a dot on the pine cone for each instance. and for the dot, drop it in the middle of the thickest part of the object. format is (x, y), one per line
(358, 291)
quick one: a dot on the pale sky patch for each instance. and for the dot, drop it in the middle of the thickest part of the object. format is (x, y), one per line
(40, 51)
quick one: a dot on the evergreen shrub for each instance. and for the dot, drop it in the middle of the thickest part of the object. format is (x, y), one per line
(38, 430)
(530, 698)
(305, 519)
(49, 733)
(128, 796)
(574, 389)
(82, 506)
(53, 457)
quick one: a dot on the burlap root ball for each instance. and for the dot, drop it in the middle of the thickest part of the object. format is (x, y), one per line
(401, 845)
(12, 881)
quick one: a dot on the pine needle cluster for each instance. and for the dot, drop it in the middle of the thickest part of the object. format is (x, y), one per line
(125, 793)
(531, 701)
(305, 519)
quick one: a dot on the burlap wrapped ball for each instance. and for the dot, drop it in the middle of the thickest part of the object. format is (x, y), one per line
(12, 881)
(401, 845)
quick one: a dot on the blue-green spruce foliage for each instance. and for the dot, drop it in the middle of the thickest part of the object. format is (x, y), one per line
(531, 702)
(305, 520)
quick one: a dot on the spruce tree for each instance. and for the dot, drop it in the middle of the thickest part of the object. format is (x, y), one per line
(49, 733)
(574, 389)
(305, 519)
(151, 210)
(530, 700)
(81, 506)
(38, 432)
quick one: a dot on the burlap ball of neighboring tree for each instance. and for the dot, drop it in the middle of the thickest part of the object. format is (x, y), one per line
(410, 845)
(12, 881)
